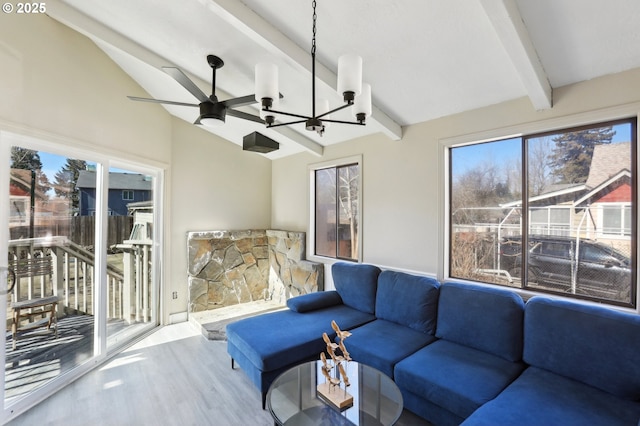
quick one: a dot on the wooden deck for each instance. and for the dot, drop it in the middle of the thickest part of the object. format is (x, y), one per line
(40, 357)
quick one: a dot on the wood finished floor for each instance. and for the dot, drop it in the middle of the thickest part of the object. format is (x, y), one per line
(173, 377)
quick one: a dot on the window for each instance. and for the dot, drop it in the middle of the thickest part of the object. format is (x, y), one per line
(127, 194)
(616, 219)
(574, 192)
(336, 210)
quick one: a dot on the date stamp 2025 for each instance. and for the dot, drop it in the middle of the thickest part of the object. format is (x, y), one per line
(24, 8)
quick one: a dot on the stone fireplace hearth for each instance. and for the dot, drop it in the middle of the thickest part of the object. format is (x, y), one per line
(227, 268)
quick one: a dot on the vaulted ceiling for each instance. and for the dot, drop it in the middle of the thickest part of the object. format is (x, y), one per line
(423, 58)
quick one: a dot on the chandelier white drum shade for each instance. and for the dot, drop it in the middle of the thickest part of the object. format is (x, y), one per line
(354, 92)
(266, 81)
(349, 76)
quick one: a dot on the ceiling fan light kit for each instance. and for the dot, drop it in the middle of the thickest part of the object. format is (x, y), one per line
(211, 114)
(354, 93)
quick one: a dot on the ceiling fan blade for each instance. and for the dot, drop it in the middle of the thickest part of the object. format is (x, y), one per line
(185, 82)
(160, 101)
(241, 101)
(245, 116)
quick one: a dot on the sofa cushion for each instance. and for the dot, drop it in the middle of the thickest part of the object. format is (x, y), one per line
(277, 339)
(313, 301)
(455, 377)
(356, 283)
(481, 317)
(592, 344)
(409, 300)
(539, 397)
(381, 344)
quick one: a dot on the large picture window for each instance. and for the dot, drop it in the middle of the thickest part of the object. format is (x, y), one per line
(574, 193)
(336, 211)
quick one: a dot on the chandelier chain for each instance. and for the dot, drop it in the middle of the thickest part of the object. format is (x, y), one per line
(313, 40)
(315, 122)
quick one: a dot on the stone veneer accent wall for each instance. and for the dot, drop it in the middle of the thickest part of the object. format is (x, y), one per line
(231, 267)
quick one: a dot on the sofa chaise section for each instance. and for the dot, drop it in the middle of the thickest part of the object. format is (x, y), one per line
(478, 353)
(266, 345)
(584, 369)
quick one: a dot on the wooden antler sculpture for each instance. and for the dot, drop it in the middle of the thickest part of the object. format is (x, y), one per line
(326, 388)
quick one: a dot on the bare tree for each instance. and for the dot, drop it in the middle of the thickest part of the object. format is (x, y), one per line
(540, 175)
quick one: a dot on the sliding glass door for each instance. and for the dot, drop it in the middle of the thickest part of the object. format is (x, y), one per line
(78, 250)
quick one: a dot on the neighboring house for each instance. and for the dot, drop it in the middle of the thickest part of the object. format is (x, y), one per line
(607, 200)
(124, 189)
(48, 212)
(599, 209)
(20, 197)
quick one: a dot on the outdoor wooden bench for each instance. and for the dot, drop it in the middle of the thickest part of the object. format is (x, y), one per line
(44, 306)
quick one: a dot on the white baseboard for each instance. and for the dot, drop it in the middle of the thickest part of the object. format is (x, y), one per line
(178, 317)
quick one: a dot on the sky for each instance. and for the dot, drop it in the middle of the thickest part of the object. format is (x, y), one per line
(508, 150)
(52, 163)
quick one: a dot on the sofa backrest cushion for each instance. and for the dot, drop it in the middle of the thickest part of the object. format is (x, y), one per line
(595, 345)
(356, 283)
(314, 301)
(409, 300)
(481, 317)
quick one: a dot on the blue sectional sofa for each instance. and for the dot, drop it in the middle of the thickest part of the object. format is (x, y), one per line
(460, 353)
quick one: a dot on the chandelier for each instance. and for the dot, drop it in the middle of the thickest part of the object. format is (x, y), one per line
(355, 93)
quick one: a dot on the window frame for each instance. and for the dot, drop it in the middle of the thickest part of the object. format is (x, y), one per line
(594, 118)
(311, 229)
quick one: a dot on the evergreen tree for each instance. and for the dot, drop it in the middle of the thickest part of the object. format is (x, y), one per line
(66, 179)
(27, 159)
(570, 160)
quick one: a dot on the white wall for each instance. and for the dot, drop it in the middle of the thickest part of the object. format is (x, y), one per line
(402, 180)
(56, 81)
(214, 185)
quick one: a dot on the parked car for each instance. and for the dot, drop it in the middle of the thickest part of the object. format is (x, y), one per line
(565, 264)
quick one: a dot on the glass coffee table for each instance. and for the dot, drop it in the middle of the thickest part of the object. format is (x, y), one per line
(293, 399)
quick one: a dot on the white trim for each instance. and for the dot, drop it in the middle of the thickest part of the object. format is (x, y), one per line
(549, 125)
(178, 317)
(604, 184)
(444, 214)
(100, 259)
(546, 195)
(600, 220)
(41, 140)
(311, 168)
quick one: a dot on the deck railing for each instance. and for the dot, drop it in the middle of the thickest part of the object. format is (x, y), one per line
(57, 266)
